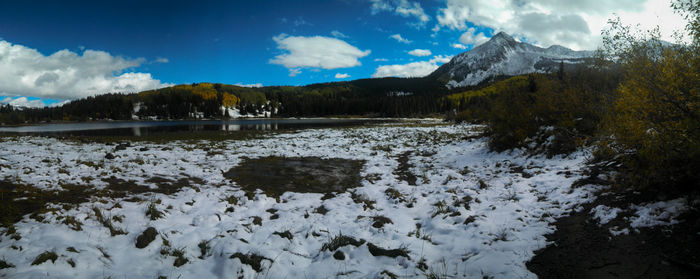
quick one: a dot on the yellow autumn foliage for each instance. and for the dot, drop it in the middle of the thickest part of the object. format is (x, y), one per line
(229, 100)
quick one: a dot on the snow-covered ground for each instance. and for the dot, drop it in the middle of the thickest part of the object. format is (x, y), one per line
(471, 212)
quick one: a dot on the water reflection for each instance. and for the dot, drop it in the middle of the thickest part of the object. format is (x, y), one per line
(144, 128)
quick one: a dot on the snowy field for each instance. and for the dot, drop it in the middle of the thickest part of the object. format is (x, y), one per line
(470, 213)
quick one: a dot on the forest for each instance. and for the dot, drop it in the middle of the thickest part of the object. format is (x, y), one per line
(386, 97)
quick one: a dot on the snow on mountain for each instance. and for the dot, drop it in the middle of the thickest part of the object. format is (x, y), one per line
(503, 55)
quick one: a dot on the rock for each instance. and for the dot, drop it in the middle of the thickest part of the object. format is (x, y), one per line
(146, 237)
(109, 156)
(339, 256)
(122, 146)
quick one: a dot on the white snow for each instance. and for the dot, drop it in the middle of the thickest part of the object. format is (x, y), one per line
(502, 55)
(658, 213)
(605, 214)
(511, 214)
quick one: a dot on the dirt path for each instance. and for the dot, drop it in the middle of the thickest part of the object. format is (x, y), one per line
(583, 249)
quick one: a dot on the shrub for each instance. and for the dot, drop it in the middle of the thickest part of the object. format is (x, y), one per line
(654, 132)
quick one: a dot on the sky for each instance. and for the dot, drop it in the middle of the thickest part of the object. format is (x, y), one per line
(55, 51)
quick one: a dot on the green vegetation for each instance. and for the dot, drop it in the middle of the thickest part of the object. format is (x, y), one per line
(641, 112)
(107, 223)
(153, 212)
(4, 264)
(525, 111)
(368, 97)
(341, 240)
(655, 125)
(180, 258)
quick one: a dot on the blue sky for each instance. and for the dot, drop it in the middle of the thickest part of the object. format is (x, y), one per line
(61, 50)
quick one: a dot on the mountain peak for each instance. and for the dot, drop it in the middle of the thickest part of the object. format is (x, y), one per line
(504, 56)
(502, 37)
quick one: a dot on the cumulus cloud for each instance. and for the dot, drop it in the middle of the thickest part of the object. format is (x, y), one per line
(315, 52)
(420, 52)
(573, 23)
(68, 75)
(252, 85)
(458, 46)
(414, 69)
(380, 59)
(341, 76)
(162, 60)
(400, 39)
(23, 102)
(403, 8)
(472, 38)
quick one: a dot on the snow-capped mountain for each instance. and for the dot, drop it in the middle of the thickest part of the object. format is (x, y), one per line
(504, 56)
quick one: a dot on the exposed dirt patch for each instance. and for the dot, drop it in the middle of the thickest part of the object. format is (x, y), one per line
(583, 249)
(403, 171)
(277, 175)
(251, 259)
(146, 237)
(19, 200)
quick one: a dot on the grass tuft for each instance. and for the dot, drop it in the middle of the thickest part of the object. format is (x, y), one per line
(341, 240)
(72, 223)
(4, 264)
(203, 248)
(153, 212)
(180, 258)
(106, 222)
(285, 234)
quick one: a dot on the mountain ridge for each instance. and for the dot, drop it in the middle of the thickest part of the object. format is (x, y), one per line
(502, 55)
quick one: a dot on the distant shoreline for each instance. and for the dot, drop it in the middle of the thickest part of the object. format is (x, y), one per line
(354, 117)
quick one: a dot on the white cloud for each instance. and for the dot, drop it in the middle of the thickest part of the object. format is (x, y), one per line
(413, 69)
(162, 60)
(338, 34)
(400, 39)
(472, 38)
(300, 21)
(294, 72)
(572, 23)
(67, 75)
(442, 58)
(403, 8)
(23, 102)
(380, 59)
(340, 76)
(252, 85)
(315, 52)
(459, 46)
(420, 52)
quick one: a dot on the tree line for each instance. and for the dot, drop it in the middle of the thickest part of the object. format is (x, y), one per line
(386, 97)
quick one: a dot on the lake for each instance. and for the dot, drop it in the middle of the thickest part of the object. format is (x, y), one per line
(143, 128)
